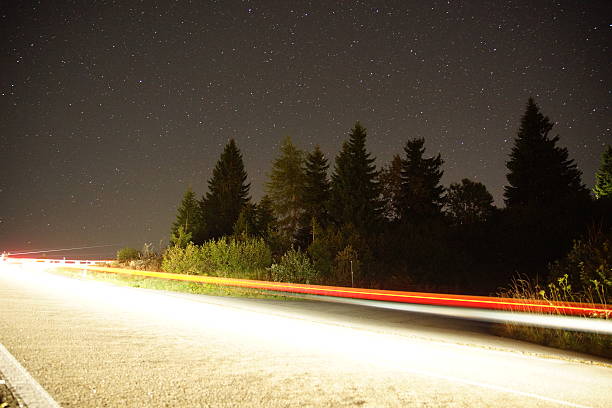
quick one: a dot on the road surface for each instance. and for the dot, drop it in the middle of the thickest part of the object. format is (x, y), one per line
(92, 344)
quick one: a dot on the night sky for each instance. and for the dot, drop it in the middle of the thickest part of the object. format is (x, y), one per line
(110, 110)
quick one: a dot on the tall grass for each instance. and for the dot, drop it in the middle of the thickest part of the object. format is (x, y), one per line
(557, 292)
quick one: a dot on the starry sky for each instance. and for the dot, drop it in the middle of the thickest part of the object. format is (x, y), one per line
(111, 109)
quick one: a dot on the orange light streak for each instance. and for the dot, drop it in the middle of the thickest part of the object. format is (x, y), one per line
(482, 302)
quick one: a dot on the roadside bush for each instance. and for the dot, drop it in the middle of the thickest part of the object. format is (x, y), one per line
(189, 260)
(588, 266)
(127, 254)
(228, 257)
(148, 260)
(237, 258)
(347, 260)
(295, 266)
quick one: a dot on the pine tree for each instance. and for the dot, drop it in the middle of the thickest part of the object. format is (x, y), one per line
(188, 216)
(603, 177)
(422, 195)
(315, 195)
(227, 193)
(468, 202)
(540, 173)
(246, 224)
(390, 179)
(285, 189)
(354, 197)
(266, 222)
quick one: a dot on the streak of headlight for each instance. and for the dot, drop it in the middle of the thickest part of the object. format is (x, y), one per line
(231, 328)
(469, 307)
(42, 251)
(483, 302)
(602, 326)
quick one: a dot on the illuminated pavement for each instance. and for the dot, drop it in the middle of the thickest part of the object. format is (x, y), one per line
(91, 344)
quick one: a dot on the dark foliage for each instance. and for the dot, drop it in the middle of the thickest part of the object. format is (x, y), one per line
(468, 202)
(316, 189)
(603, 177)
(188, 216)
(227, 193)
(354, 188)
(540, 173)
(285, 189)
(421, 193)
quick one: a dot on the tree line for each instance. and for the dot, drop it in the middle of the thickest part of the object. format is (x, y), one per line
(398, 227)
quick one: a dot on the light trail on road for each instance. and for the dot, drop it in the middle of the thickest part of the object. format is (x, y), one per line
(123, 343)
(501, 310)
(568, 316)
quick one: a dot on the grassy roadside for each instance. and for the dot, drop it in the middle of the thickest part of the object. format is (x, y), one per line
(589, 343)
(170, 285)
(559, 292)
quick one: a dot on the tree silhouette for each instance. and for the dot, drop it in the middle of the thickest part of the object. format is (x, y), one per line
(603, 177)
(227, 193)
(421, 193)
(468, 202)
(285, 189)
(354, 188)
(540, 173)
(188, 216)
(315, 195)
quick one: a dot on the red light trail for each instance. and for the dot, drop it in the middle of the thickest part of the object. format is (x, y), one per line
(436, 299)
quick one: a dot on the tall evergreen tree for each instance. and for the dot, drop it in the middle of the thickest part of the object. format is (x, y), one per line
(227, 193)
(285, 189)
(315, 195)
(603, 177)
(390, 179)
(246, 224)
(422, 195)
(354, 197)
(188, 216)
(265, 216)
(540, 173)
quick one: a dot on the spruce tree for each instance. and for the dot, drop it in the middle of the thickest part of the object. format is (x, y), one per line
(188, 216)
(547, 206)
(285, 189)
(540, 173)
(354, 197)
(246, 224)
(315, 195)
(227, 193)
(603, 177)
(390, 179)
(421, 195)
(266, 222)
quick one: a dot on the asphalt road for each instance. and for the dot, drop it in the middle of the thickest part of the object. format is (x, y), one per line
(91, 344)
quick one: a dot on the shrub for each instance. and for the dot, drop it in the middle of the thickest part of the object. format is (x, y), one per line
(346, 261)
(189, 260)
(240, 258)
(588, 265)
(295, 266)
(228, 257)
(127, 254)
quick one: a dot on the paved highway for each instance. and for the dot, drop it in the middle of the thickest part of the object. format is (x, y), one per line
(91, 344)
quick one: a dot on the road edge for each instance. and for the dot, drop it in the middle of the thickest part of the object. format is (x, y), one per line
(27, 391)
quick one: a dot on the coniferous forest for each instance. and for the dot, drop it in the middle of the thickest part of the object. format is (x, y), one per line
(343, 221)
